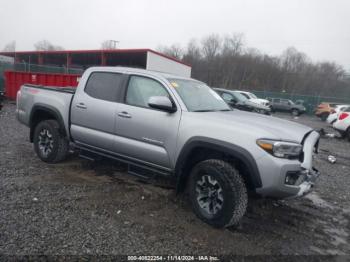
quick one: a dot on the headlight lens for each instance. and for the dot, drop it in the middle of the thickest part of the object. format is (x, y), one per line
(282, 149)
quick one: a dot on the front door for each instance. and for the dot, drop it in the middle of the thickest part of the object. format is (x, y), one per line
(142, 132)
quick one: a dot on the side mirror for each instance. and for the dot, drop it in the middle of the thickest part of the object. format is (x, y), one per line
(161, 103)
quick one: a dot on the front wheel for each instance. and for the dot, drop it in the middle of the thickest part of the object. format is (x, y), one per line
(295, 112)
(218, 193)
(50, 144)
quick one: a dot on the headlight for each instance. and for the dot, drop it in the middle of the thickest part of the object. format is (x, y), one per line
(282, 149)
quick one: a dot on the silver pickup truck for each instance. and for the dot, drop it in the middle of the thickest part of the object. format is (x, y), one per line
(176, 127)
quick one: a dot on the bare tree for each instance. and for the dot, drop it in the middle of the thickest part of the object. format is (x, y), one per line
(227, 62)
(193, 51)
(211, 46)
(10, 47)
(175, 50)
(233, 44)
(45, 45)
(109, 44)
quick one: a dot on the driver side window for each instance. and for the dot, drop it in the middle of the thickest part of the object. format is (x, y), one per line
(140, 89)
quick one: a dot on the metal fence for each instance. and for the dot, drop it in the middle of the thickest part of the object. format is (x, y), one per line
(310, 102)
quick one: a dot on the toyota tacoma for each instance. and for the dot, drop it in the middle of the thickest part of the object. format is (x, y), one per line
(175, 127)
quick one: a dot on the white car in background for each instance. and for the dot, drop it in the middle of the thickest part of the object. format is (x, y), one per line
(342, 125)
(253, 98)
(334, 114)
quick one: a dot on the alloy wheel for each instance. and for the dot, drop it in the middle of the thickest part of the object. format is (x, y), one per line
(45, 142)
(209, 194)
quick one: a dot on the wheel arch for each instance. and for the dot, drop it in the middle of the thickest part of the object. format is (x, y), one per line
(44, 112)
(201, 148)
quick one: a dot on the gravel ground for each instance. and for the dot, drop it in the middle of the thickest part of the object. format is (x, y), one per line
(77, 207)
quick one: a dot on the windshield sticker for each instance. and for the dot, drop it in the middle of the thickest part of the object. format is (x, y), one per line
(174, 84)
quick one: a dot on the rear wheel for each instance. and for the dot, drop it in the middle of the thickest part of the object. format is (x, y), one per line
(50, 144)
(347, 134)
(218, 193)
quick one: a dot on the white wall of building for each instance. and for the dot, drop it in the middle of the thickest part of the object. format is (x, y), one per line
(163, 64)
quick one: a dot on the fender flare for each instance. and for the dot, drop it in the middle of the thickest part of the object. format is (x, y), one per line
(49, 109)
(237, 152)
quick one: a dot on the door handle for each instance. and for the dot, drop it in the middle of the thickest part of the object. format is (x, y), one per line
(124, 114)
(81, 105)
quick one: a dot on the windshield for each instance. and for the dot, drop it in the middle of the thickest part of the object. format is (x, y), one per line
(240, 97)
(198, 97)
(252, 95)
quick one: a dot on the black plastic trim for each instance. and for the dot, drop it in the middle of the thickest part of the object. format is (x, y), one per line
(221, 146)
(49, 109)
(125, 159)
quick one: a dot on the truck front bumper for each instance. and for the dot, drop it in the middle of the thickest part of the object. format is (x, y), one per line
(284, 178)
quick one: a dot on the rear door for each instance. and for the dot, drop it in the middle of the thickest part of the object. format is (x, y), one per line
(142, 132)
(285, 105)
(94, 109)
(276, 103)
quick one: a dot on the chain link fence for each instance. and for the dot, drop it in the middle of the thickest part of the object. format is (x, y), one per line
(310, 102)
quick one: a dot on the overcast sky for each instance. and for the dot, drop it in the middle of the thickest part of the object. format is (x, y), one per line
(320, 28)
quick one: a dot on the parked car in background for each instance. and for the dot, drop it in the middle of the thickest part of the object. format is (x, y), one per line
(175, 127)
(334, 114)
(342, 125)
(1, 98)
(254, 98)
(324, 109)
(236, 100)
(286, 105)
(299, 102)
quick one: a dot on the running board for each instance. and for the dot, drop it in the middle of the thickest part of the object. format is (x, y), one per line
(141, 172)
(137, 169)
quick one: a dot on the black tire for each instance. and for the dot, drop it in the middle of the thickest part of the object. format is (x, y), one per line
(58, 144)
(324, 116)
(347, 134)
(295, 112)
(234, 193)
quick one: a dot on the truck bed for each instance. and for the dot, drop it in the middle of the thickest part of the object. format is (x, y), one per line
(35, 97)
(65, 89)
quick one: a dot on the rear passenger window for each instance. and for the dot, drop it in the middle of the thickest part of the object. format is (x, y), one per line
(104, 86)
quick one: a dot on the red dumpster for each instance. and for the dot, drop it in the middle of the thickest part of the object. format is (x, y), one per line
(14, 80)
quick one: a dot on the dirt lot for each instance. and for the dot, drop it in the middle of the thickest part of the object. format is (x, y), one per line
(81, 208)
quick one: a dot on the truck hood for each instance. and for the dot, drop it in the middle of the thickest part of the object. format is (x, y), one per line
(265, 126)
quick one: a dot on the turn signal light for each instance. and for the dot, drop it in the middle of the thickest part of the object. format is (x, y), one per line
(343, 116)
